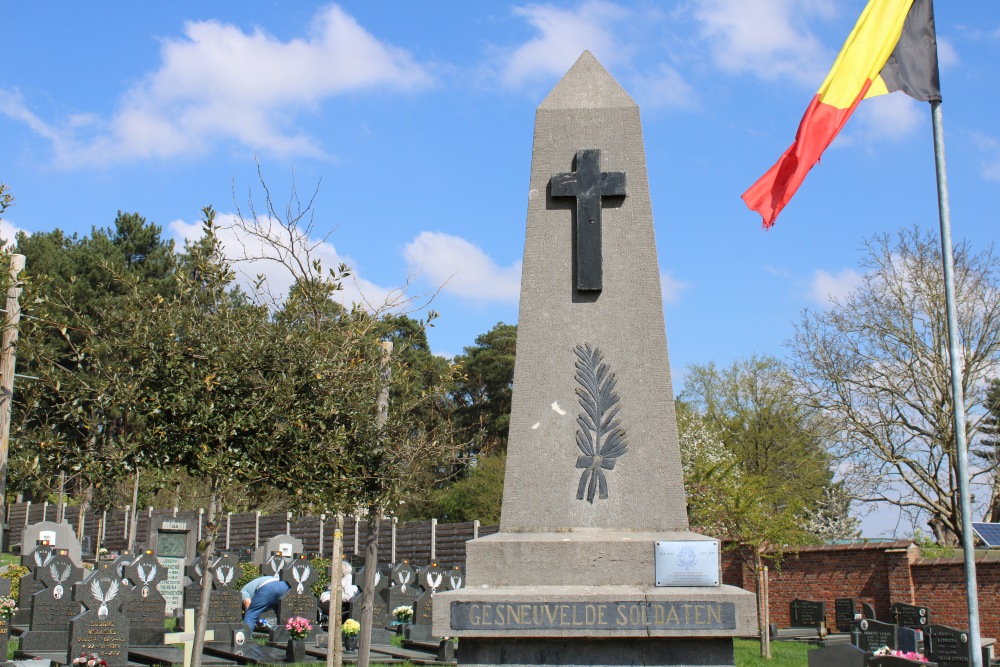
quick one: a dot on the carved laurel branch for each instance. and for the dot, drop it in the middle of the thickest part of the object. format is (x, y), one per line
(601, 437)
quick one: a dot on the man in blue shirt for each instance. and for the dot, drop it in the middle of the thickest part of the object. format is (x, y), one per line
(259, 595)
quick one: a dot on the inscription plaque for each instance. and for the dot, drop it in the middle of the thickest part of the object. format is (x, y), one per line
(693, 615)
(687, 563)
(845, 610)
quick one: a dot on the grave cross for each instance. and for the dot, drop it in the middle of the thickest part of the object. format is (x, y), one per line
(589, 185)
(187, 637)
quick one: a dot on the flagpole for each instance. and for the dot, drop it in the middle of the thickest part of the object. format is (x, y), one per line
(958, 399)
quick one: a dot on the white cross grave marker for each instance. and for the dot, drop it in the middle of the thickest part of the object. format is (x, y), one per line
(187, 637)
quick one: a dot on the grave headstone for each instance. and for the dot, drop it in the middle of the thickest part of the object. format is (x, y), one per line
(431, 578)
(57, 535)
(423, 616)
(381, 616)
(173, 541)
(288, 546)
(455, 579)
(910, 615)
(593, 477)
(53, 607)
(845, 610)
(29, 584)
(838, 655)
(868, 611)
(948, 647)
(274, 564)
(225, 607)
(102, 628)
(873, 635)
(192, 591)
(907, 639)
(145, 606)
(4, 621)
(405, 589)
(807, 613)
(300, 599)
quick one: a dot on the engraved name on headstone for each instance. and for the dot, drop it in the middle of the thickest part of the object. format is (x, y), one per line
(910, 615)
(145, 605)
(102, 628)
(300, 599)
(807, 613)
(873, 635)
(845, 610)
(948, 647)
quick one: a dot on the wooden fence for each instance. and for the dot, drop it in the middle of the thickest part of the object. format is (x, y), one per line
(420, 542)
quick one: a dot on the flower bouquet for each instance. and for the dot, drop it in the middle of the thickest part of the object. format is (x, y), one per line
(92, 660)
(298, 627)
(349, 630)
(908, 655)
(403, 614)
(8, 606)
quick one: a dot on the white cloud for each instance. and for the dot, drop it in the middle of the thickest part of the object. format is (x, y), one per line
(766, 38)
(238, 248)
(8, 232)
(889, 117)
(219, 83)
(564, 35)
(826, 286)
(947, 54)
(989, 165)
(463, 269)
(672, 288)
(664, 87)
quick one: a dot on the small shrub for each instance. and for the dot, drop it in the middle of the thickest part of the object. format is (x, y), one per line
(14, 573)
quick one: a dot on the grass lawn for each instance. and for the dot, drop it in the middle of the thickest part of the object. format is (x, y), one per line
(783, 654)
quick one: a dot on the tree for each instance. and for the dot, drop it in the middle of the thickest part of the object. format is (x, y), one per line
(742, 508)
(755, 411)
(484, 388)
(877, 361)
(478, 496)
(987, 451)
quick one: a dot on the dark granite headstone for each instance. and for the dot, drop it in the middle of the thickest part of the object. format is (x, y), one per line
(29, 585)
(947, 646)
(455, 579)
(910, 615)
(404, 578)
(431, 578)
(381, 616)
(53, 607)
(274, 564)
(300, 599)
(844, 612)
(868, 611)
(226, 605)
(4, 624)
(838, 655)
(423, 612)
(102, 628)
(145, 605)
(807, 613)
(907, 640)
(192, 592)
(873, 635)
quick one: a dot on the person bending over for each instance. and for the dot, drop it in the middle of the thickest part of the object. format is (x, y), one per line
(259, 595)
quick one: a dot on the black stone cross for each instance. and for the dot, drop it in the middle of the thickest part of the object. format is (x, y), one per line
(589, 185)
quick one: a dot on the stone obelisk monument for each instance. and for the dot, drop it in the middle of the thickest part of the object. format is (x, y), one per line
(593, 487)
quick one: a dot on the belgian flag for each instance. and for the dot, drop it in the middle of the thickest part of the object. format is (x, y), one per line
(892, 47)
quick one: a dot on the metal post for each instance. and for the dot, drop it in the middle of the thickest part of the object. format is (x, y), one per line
(8, 350)
(957, 394)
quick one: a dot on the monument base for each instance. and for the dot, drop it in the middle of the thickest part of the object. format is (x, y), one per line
(582, 652)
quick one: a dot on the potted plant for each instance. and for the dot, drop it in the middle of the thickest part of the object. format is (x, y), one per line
(298, 629)
(349, 631)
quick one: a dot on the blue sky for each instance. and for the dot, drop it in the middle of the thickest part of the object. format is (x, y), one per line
(416, 119)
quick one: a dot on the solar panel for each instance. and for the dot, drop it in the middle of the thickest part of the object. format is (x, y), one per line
(989, 533)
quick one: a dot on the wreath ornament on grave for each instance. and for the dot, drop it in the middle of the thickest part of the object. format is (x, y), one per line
(102, 597)
(601, 437)
(146, 579)
(58, 577)
(301, 575)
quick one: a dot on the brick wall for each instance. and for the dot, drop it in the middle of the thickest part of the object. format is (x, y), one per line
(880, 574)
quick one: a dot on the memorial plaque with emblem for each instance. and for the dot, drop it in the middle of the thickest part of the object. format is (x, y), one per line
(910, 615)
